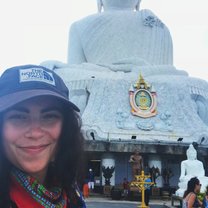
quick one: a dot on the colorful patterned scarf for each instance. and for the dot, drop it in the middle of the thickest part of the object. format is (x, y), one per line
(49, 199)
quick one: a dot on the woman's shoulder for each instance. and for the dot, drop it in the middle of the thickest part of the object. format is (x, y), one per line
(192, 195)
(189, 196)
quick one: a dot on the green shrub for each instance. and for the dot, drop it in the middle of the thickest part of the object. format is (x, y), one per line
(201, 196)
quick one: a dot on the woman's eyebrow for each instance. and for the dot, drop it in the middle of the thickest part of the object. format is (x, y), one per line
(52, 108)
(20, 109)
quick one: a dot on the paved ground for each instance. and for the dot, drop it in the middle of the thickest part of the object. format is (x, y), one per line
(118, 205)
(105, 202)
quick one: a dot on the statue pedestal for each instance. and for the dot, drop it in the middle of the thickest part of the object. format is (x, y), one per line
(107, 190)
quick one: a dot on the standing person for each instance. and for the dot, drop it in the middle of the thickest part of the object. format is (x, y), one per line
(85, 189)
(91, 182)
(147, 192)
(205, 200)
(40, 143)
(190, 199)
(125, 187)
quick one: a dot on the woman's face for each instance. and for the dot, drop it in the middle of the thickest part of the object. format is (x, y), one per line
(197, 187)
(31, 131)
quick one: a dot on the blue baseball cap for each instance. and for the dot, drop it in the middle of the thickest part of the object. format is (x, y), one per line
(21, 83)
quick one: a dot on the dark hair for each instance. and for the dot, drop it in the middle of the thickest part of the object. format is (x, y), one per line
(67, 165)
(191, 186)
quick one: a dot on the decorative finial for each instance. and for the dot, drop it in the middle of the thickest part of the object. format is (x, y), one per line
(141, 84)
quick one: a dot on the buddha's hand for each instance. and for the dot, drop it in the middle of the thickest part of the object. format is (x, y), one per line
(118, 67)
(53, 64)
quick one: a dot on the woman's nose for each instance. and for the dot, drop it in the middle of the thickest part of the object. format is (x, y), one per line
(35, 129)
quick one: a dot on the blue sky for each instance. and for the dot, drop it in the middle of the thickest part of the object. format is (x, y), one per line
(35, 31)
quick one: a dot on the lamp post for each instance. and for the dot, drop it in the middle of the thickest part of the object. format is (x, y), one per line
(140, 183)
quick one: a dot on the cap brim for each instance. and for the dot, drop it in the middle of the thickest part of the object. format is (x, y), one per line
(10, 100)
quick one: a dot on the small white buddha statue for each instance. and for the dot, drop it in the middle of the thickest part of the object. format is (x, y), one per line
(191, 168)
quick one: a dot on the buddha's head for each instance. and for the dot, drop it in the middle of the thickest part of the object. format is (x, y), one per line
(191, 153)
(118, 4)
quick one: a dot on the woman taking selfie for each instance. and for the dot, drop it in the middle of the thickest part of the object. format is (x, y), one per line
(40, 143)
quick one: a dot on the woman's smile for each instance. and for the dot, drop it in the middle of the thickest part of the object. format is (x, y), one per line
(32, 150)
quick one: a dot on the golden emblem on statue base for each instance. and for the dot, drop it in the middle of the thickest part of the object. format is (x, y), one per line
(143, 99)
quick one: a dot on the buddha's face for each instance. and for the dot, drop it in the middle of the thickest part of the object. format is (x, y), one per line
(120, 4)
(191, 155)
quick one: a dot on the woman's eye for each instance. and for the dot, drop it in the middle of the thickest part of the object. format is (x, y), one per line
(18, 117)
(50, 117)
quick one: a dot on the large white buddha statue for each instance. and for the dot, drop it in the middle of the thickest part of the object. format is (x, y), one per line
(191, 168)
(106, 53)
(120, 37)
(120, 33)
